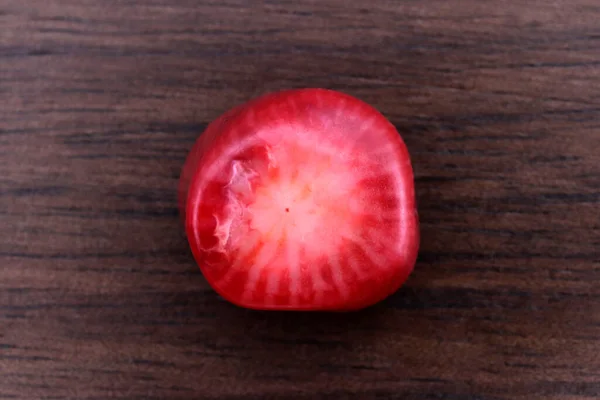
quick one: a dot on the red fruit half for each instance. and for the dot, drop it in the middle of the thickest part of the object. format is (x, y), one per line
(301, 200)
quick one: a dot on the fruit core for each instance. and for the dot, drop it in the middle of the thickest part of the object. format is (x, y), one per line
(288, 198)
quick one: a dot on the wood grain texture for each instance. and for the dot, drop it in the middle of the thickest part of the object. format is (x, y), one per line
(498, 101)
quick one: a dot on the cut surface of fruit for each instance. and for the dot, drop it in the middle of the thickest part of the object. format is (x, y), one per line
(301, 200)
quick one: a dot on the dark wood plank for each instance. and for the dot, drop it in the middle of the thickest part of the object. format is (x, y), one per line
(499, 103)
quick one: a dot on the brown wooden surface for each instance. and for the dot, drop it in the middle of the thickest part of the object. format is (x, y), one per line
(498, 101)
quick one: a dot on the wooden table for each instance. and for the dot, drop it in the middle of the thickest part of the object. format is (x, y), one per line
(498, 102)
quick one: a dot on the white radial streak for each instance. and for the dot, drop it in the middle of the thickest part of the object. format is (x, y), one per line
(345, 151)
(338, 276)
(376, 237)
(341, 109)
(367, 125)
(273, 284)
(357, 269)
(375, 172)
(265, 256)
(375, 258)
(380, 215)
(363, 130)
(383, 150)
(294, 271)
(320, 286)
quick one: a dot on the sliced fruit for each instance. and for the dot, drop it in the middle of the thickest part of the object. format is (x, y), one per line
(301, 200)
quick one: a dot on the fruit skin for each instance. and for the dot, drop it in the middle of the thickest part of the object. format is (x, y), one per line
(206, 150)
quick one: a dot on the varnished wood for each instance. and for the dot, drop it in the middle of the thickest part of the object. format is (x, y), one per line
(498, 101)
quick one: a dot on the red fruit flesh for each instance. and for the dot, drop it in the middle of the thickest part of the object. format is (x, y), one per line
(301, 200)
